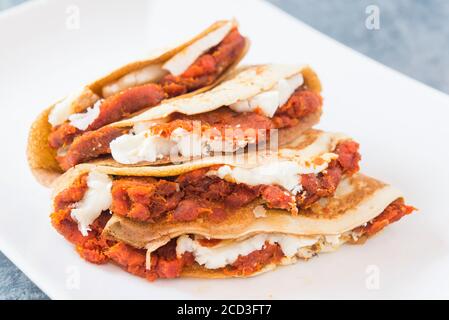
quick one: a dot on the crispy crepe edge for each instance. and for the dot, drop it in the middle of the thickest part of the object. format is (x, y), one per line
(42, 159)
(386, 193)
(367, 198)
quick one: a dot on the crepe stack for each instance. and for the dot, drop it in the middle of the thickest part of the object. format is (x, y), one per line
(76, 129)
(232, 181)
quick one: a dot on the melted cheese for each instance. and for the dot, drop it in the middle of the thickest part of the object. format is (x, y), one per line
(188, 144)
(284, 173)
(96, 199)
(83, 120)
(142, 145)
(269, 101)
(63, 109)
(182, 60)
(148, 74)
(243, 85)
(221, 256)
(333, 239)
(260, 212)
(130, 149)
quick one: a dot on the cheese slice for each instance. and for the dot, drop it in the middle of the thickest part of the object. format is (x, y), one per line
(269, 101)
(142, 145)
(147, 74)
(84, 119)
(221, 256)
(63, 109)
(96, 199)
(182, 60)
(284, 173)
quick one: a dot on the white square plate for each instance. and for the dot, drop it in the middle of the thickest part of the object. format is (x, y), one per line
(401, 124)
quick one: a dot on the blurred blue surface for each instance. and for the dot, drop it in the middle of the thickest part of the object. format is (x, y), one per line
(412, 38)
(5, 4)
(14, 284)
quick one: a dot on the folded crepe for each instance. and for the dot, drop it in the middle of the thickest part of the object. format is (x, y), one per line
(185, 70)
(256, 105)
(255, 243)
(104, 210)
(211, 189)
(244, 241)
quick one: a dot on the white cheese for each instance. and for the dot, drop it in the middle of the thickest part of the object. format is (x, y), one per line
(285, 173)
(182, 60)
(144, 146)
(269, 101)
(96, 199)
(148, 74)
(286, 90)
(140, 127)
(282, 173)
(141, 146)
(306, 253)
(130, 149)
(83, 120)
(241, 106)
(221, 256)
(356, 235)
(188, 144)
(223, 145)
(260, 212)
(334, 240)
(63, 109)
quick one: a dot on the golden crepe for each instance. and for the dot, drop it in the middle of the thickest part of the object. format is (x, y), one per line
(248, 244)
(254, 106)
(185, 70)
(171, 218)
(182, 165)
(247, 241)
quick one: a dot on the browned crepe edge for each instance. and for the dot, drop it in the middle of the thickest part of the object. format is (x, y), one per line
(197, 271)
(367, 198)
(42, 158)
(159, 58)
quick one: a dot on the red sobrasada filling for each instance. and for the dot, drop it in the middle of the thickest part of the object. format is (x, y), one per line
(195, 194)
(394, 212)
(92, 246)
(188, 197)
(301, 104)
(164, 261)
(203, 72)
